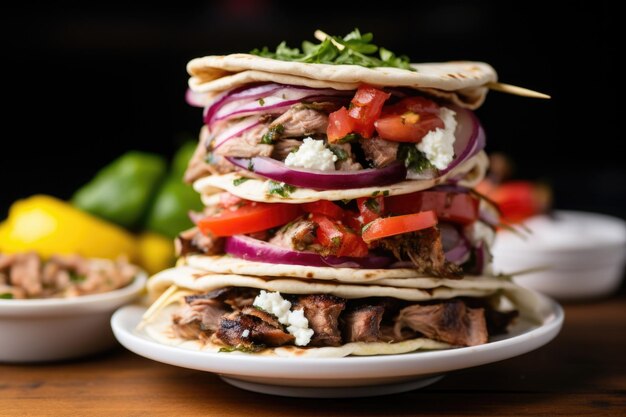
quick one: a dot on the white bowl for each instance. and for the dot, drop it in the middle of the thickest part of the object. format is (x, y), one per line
(39, 330)
(578, 255)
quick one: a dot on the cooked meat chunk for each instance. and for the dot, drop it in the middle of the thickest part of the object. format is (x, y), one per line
(263, 315)
(194, 241)
(450, 322)
(25, 275)
(239, 329)
(298, 235)
(379, 151)
(322, 311)
(284, 147)
(301, 120)
(424, 249)
(362, 324)
(246, 145)
(198, 317)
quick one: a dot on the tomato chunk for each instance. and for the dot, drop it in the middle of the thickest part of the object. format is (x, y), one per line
(340, 125)
(409, 120)
(391, 226)
(450, 206)
(325, 207)
(365, 109)
(249, 218)
(337, 238)
(371, 208)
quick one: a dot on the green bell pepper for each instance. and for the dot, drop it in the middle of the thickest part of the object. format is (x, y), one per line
(122, 191)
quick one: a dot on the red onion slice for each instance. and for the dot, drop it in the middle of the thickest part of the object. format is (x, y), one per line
(455, 245)
(322, 180)
(250, 249)
(246, 92)
(235, 130)
(470, 138)
(196, 99)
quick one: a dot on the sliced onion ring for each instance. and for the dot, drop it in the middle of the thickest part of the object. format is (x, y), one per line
(470, 138)
(322, 180)
(250, 249)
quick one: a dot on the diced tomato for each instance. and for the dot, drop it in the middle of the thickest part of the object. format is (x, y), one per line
(337, 238)
(325, 207)
(250, 218)
(407, 127)
(352, 220)
(409, 120)
(450, 206)
(365, 109)
(371, 208)
(390, 226)
(518, 200)
(340, 125)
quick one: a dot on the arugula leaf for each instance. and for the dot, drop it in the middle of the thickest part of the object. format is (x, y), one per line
(353, 49)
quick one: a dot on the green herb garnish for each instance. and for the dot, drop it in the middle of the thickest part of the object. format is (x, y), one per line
(280, 188)
(250, 165)
(341, 154)
(239, 181)
(273, 134)
(373, 205)
(241, 348)
(350, 137)
(75, 277)
(353, 49)
(6, 296)
(413, 158)
(336, 241)
(261, 102)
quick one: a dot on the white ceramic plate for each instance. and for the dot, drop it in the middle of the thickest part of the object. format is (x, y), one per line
(337, 377)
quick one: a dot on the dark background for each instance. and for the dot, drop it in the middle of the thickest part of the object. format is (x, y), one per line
(82, 84)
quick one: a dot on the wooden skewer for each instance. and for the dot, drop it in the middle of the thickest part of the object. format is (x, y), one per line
(518, 91)
(321, 36)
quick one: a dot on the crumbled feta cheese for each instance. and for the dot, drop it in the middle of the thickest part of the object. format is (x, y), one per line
(245, 333)
(273, 303)
(299, 327)
(438, 144)
(296, 323)
(312, 154)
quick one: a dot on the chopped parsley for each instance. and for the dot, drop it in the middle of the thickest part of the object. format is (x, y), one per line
(378, 192)
(261, 102)
(6, 296)
(241, 348)
(413, 158)
(280, 188)
(350, 137)
(373, 205)
(75, 277)
(341, 154)
(336, 241)
(353, 49)
(239, 181)
(273, 134)
(250, 165)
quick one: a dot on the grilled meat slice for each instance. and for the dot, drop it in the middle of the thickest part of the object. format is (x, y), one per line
(362, 324)
(263, 315)
(284, 147)
(297, 235)
(200, 316)
(379, 151)
(450, 322)
(237, 329)
(301, 120)
(424, 249)
(194, 241)
(246, 145)
(322, 311)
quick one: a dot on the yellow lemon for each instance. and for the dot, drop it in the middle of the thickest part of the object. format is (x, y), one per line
(156, 252)
(50, 226)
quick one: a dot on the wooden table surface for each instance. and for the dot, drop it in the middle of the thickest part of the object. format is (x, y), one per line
(581, 372)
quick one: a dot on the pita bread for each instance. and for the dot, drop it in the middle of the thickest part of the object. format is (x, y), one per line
(471, 173)
(461, 82)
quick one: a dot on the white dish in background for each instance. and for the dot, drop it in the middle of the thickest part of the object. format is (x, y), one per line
(580, 255)
(39, 330)
(338, 377)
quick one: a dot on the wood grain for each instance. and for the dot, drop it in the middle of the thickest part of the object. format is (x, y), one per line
(581, 373)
